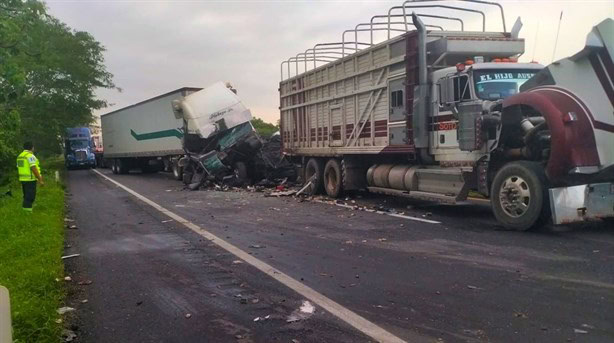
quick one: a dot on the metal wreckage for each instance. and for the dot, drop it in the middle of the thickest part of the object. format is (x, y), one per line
(222, 148)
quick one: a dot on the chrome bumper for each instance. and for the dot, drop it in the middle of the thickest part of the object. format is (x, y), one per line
(580, 203)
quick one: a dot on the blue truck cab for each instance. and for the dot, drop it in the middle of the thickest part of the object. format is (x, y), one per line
(79, 148)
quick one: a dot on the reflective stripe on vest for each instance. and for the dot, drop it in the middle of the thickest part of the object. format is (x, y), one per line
(23, 167)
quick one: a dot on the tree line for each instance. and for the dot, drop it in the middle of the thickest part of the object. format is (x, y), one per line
(48, 76)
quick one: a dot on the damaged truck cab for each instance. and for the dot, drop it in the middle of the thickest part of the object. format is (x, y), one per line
(436, 114)
(219, 139)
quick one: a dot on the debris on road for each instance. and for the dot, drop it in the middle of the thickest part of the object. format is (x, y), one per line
(580, 331)
(68, 335)
(85, 282)
(257, 246)
(305, 311)
(67, 278)
(68, 220)
(73, 227)
(70, 256)
(237, 262)
(65, 309)
(188, 315)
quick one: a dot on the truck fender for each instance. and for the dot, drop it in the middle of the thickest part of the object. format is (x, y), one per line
(570, 122)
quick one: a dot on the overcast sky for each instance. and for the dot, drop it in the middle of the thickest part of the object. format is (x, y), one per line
(157, 46)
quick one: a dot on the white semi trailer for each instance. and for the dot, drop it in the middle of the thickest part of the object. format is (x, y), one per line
(435, 113)
(145, 135)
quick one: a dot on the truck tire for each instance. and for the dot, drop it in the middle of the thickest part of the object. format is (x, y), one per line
(333, 178)
(122, 166)
(114, 166)
(240, 171)
(188, 174)
(314, 169)
(177, 170)
(519, 195)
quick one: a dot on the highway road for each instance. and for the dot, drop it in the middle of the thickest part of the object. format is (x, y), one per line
(171, 265)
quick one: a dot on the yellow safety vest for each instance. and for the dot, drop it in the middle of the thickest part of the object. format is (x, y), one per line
(25, 161)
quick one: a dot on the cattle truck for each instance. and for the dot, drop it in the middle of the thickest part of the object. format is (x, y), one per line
(145, 135)
(434, 114)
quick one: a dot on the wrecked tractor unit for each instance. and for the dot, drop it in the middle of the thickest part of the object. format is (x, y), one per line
(219, 140)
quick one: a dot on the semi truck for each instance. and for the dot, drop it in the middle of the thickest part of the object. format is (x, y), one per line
(435, 112)
(79, 148)
(145, 136)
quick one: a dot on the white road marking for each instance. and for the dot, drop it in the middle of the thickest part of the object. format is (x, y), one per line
(381, 212)
(358, 322)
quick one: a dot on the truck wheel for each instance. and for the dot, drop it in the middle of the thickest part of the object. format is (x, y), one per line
(314, 171)
(519, 195)
(122, 166)
(240, 171)
(188, 173)
(333, 178)
(177, 170)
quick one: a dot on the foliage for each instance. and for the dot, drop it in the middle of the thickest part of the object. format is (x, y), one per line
(48, 76)
(264, 129)
(30, 260)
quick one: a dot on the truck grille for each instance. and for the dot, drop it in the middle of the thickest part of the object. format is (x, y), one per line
(80, 155)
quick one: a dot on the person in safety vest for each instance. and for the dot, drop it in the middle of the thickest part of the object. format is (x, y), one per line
(29, 171)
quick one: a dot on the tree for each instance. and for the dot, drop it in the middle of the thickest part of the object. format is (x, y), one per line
(48, 76)
(264, 129)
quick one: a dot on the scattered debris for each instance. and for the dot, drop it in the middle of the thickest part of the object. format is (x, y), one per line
(166, 221)
(382, 239)
(305, 311)
(68, 335)
(64, 309)
(73, 227)
(68, 220)
(257, 246)
(70, 256)
(580, 331)
(237, 262)
(188, 315)
(84, 301)
(586, 326)
(179, 205)
(67, 278)
(520, 315)
(85, 282)
(255, 301)
(243, 301)
(139, 303)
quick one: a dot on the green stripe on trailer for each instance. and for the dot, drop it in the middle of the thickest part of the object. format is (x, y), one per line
(157, 134)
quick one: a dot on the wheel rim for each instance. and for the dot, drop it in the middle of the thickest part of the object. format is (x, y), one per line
(515, 196)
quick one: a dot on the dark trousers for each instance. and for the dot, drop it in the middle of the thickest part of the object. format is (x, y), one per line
(29, 193)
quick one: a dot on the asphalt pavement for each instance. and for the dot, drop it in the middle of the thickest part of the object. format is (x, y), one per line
(460, 279)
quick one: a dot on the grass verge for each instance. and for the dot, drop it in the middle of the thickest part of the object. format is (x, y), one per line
(30, 257)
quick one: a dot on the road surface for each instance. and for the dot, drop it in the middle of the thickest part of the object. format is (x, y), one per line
(461, 278)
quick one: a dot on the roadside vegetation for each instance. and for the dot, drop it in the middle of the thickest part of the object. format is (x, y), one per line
(30, 257)
(264, 129)
(48, 76)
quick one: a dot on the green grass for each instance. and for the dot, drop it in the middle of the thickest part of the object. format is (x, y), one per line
(31, 247)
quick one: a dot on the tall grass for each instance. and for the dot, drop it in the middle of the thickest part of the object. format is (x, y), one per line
(31, 247)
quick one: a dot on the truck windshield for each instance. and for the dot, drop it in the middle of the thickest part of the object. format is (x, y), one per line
(497, 84)
(78, 144)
